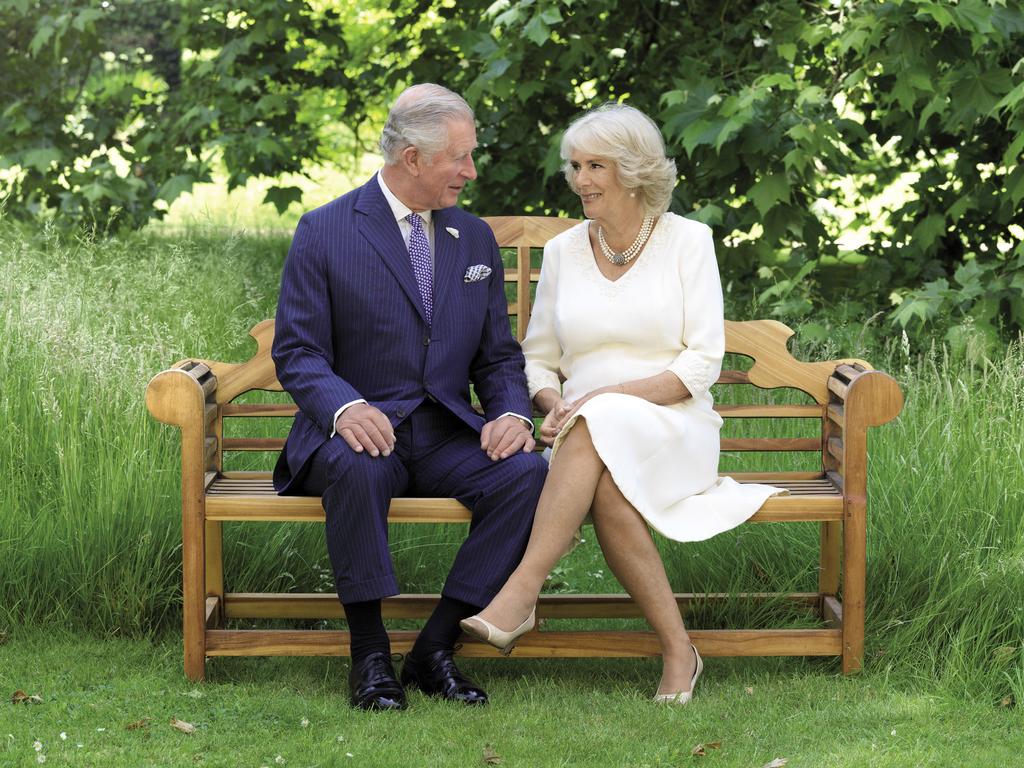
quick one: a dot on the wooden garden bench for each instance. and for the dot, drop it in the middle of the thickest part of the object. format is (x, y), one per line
(198, 396)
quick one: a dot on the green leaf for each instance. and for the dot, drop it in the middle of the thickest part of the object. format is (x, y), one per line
(1012, 99)
(267, 146)
(282, 197)
(709, 214)
(974, 14)
(536, 31)
(551, 16)
(85, 17)
(41, 37)
(769, 190)
(94, 191)
(175, 186)
(927, 231)
(938, 12)
(1012, 154)
(41, 159)
(497, 68)
(1015, 184)
(786, 50)
(957, 209)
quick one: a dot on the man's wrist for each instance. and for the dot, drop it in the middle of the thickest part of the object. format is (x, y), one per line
(528, 423)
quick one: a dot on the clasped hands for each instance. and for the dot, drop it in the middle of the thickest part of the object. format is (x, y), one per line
(366, 428)
(562, 410)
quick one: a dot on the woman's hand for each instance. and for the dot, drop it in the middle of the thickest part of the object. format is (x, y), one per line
(553, 421)
(563, 410)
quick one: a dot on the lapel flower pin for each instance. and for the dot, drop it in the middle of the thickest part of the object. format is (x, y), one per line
(453, 232)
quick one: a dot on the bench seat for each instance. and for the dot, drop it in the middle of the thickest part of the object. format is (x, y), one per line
(241, 496)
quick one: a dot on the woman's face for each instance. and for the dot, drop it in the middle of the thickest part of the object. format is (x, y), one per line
(597, 183)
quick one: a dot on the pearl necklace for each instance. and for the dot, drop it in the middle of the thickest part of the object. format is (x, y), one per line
(630, 253)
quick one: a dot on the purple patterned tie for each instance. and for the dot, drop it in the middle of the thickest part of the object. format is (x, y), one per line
(419, 254)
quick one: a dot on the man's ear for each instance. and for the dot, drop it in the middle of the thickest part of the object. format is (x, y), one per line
(412, 160)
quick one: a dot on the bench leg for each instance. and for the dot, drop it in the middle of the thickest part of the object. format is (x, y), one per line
(829, 558)
(193, 562)
(854, 573)
(215, 568)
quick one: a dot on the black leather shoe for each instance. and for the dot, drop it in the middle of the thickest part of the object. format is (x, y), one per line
(373, 684)
(437, 675)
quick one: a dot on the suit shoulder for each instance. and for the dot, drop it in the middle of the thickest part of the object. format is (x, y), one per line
(338, 206)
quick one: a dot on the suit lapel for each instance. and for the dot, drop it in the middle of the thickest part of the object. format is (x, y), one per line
(448, 262)
(380, 229)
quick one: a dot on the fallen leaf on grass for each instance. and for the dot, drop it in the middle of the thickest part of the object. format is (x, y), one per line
(701, 750)
(138, 724)
(1008, 702)
(749, 690)
(182, 726)
(20, 697)
(490, 756)
(778, 762)
(3, 636)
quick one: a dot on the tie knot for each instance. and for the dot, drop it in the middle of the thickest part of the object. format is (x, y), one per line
(415, 220)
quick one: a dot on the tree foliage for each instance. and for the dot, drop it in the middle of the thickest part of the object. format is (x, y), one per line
(111, 110)
(779, 113)
(786, 119)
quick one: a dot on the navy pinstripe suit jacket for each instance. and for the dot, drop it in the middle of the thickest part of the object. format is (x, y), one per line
(350, 323)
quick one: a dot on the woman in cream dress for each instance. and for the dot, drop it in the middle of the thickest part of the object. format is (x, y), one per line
(626, 339)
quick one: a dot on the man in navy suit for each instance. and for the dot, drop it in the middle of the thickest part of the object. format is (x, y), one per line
(392, 303)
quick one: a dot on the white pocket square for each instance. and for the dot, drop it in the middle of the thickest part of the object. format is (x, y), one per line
(453, 232)
(476, 272)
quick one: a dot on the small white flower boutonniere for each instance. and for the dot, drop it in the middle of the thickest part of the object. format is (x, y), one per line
(453, 232)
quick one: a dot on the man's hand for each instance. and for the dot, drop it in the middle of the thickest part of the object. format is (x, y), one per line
(366, 428)
(504, 436)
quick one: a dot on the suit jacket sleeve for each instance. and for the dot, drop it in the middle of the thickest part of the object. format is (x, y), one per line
(497, 369)
(303, 348)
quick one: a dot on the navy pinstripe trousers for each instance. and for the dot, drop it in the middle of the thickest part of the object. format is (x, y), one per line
(435, 454)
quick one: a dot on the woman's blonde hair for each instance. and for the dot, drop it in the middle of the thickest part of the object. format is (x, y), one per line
(630, 139)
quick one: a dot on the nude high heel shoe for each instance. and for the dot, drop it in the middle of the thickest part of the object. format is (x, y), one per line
(683, 697)
(504, 641)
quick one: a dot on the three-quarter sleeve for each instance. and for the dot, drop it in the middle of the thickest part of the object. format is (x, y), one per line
(541, 348)
(699, 365)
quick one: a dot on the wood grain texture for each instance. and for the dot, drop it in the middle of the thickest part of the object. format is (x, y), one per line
(539, 644)
(262, 605)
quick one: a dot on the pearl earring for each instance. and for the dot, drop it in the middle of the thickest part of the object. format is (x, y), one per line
(632, 194)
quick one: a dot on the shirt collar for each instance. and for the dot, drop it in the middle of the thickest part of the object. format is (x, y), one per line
(398, 208)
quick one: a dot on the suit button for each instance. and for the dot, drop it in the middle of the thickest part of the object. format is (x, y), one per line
(426, 341)
(401, 414)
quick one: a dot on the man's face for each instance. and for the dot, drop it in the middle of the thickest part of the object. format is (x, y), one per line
(442, 178)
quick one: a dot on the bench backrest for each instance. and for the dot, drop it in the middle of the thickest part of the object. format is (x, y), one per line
(764, 341)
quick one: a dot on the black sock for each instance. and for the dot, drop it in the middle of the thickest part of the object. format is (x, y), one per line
(442, 628)
(366, 629)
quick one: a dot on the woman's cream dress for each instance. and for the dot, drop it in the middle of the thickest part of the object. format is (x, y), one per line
(664, 314)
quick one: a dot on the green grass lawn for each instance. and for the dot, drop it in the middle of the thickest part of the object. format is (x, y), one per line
(114, 701)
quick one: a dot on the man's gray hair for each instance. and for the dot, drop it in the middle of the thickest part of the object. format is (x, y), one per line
(419, 118)
(630, 139)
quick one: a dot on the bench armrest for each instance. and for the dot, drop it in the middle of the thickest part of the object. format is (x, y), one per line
(185, 396)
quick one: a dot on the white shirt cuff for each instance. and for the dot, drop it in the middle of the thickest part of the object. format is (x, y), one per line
(337, 413)
(526, 421)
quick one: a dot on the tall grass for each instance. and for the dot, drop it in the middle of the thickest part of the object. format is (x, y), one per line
(90, 523)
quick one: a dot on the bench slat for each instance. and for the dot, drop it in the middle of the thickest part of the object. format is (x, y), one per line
(315, 605)
(811, 499)
(539, 644)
